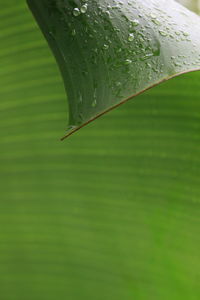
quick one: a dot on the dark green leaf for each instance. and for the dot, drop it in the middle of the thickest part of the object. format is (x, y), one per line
(109, 51)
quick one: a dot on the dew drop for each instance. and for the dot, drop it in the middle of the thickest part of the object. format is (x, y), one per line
(146, 56)
(73, 32)
(153, 16)
(135, 22)
(105, 47)
(155, 21)
(149, 65)
(84, 8)
(118, 83)
(119, 50)
(94, 103)
(163, 33)
(128, 61)
(185, 33)
(76, 12)
(131, 37)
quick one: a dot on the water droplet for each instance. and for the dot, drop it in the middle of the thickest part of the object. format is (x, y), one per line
(146, 56)
(73, 32)
(128, 61)
(163, 33)
(118, 83)
(84, 8)
(105, 47)
(153, 16)
(177, 64)
(135, 22)
(76, 12)
(94, 103)
(155, 21)
(185, 33)
(148, 65)
(131, 37)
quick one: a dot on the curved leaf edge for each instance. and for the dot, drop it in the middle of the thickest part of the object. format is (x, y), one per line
(76, 128)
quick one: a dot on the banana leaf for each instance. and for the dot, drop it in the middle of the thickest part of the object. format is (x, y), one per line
(113, 212)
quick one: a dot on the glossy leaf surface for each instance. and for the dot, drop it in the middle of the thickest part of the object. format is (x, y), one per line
(109, 51)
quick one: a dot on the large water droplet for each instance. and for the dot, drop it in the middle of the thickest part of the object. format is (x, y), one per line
(131, 37)
(76, 12)
(84, 8)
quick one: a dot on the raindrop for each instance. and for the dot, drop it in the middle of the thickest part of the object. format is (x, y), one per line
(128, 61)
(131, 37)
(135, 22)
(105, 47)
(84, 8)
(118, 83)
(94, 103)
(73, 32)
(146, 56)
(148, 65)
(153, 16)
(163, 33)
(185, 33)
(155, 21)
(76, 12)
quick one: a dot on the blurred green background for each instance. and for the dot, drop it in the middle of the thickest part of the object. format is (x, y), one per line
(191, 4)
(112, 212)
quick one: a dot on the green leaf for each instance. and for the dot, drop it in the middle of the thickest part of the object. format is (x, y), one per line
(109, 51)
(113, 213)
